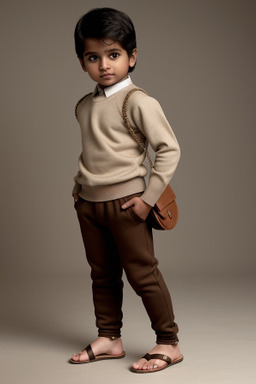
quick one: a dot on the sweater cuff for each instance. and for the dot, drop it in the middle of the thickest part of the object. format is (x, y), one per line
(154, 190)
(150, 197)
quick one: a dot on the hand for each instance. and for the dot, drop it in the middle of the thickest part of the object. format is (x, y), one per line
(139, 206)
(76, 197)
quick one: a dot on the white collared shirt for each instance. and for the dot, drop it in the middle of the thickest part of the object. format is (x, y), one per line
(112, 89)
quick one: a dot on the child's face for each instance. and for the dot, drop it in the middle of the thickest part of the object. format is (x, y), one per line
(106, 61)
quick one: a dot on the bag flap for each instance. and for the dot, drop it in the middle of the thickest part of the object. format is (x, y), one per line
(166, 198)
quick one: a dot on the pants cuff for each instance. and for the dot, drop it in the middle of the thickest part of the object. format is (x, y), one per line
(109, 334)
(171, 340)
(167, 342)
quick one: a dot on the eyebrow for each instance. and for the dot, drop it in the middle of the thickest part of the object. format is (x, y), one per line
(108, 51)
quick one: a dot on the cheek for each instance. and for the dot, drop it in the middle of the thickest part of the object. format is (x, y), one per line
(82, 64)
(90, 68)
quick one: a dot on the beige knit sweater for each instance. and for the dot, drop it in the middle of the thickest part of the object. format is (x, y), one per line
(110, 165)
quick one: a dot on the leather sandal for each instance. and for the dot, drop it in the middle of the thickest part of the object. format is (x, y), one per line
(158, 356)
(93, 358)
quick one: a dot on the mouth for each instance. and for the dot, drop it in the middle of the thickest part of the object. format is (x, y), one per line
(107, 75)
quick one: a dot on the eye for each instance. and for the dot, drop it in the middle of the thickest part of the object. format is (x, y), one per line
(92, 58)
(114, 55)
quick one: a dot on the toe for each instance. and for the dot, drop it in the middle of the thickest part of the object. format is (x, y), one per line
(80, 357)
(75, 357)
(154, 364)
(151, 365)
(83, 356)
(139, 364)
(145, 366)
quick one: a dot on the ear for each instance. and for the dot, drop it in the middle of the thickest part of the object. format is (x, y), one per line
(82, 64)
(133, 58)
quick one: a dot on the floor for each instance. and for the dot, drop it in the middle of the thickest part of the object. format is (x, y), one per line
(44, 321)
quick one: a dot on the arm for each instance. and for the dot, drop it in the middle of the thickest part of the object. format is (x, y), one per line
(76, 188)
(147, 115)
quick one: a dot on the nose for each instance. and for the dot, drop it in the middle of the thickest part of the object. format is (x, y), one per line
(104, 64)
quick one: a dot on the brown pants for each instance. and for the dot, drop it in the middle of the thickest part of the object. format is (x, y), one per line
(117, 240)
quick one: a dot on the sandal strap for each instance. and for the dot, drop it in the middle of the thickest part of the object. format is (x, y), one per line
(88, 349)
(158, 356)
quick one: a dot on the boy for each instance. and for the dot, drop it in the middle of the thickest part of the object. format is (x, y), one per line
(110, 195)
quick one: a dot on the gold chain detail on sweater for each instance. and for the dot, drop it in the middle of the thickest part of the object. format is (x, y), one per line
(128, 124)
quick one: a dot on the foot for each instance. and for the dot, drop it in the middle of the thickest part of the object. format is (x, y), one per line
(172, 351)
(99, 346)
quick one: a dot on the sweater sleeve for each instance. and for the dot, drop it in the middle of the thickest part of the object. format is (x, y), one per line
(77, 186)
(148, 116)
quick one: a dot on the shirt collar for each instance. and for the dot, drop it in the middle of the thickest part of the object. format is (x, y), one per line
(112, 89)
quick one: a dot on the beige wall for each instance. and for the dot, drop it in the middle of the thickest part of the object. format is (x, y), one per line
(198, 59)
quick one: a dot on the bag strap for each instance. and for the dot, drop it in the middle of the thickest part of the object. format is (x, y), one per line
(129, 127)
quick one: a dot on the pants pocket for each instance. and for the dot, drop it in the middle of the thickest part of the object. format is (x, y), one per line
(135, 216)
(130, 210)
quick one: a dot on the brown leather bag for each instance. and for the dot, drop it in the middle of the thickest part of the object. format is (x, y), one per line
(164, 214)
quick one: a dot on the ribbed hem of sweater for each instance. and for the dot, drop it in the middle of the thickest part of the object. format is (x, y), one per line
(114, 191)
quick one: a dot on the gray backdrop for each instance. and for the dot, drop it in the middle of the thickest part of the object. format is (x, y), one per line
(197, 57)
